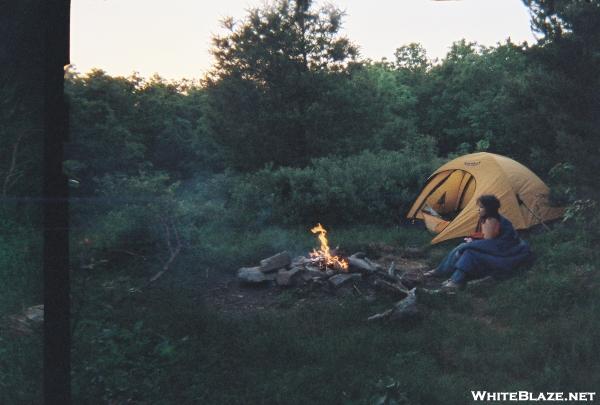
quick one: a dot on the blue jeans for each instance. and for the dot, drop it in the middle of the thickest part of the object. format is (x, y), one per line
(446, 267)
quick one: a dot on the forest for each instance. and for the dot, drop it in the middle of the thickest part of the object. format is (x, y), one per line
(174, 185)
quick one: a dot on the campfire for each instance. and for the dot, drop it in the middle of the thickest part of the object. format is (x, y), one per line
(325, 271)
(323, 257)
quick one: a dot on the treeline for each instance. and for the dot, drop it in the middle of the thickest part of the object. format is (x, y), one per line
(286, 88)
(292, 126)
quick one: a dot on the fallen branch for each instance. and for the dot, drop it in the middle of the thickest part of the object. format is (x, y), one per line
(392, 270)
(406, 308)
(11, 174)
(381, 315)
(173, 250)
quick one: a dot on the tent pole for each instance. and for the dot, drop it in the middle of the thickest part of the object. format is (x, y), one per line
(521, 202)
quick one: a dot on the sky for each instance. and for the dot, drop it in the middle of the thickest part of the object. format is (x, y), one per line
(173, 37)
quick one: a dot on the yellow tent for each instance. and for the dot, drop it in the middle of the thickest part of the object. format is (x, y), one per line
(448, 201)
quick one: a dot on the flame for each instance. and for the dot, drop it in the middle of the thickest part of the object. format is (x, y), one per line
(323, 253)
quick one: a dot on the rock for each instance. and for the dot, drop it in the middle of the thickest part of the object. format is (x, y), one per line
(253, 275)
(312, 268)
(35, 314)
(329, 272)
(286, 277)
(360, 265)
(340, 279)
(310, 275)
(276, 262)
(300, 261)
(28, 321)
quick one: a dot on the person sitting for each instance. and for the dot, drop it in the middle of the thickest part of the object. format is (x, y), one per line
(494, 248)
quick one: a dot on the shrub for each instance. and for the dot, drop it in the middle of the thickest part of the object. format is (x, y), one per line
(364, 188)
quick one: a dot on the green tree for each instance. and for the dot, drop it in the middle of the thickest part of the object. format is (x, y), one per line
(568, 84)
(267, 75)
(479, 100)
(102, 113)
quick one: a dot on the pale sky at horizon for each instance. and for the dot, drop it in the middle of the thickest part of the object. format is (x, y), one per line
(172, 38)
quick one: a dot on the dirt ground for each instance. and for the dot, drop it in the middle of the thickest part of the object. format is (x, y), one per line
(224, 293)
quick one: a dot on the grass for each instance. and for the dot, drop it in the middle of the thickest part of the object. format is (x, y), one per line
(20, 287)
(535, 332)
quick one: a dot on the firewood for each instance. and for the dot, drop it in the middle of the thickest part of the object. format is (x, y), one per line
(372, 264)
(359, 255)
(392, 270)
(381, 315)
(404, 309)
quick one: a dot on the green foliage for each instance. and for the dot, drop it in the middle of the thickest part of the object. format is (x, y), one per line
(517, 335)
(273, 73)
(21, 287)
(476, 102)
(143, 205)
(21, 368)
(567, 83)
(366, 188)
(413, 58)
(155, 123)
(322, 137)
(20, 266)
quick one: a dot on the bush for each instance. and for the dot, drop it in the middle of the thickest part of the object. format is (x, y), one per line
(365, 188)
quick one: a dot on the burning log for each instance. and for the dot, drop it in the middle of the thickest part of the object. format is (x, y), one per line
(323, 256)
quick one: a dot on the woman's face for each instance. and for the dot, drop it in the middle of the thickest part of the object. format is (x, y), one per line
(481, 210)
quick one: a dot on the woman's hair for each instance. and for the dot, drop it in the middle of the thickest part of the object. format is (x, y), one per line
(491, 205)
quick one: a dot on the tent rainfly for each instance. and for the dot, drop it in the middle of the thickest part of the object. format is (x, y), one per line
(448, 201)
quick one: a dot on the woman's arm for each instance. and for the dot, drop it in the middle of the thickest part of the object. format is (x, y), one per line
(490, 228)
